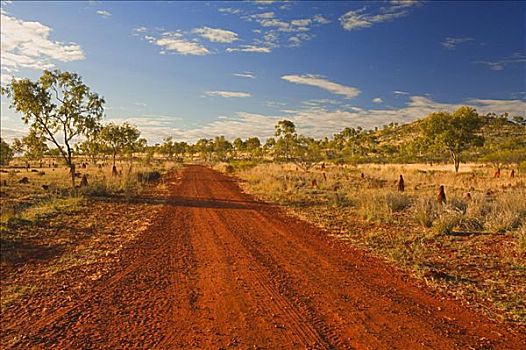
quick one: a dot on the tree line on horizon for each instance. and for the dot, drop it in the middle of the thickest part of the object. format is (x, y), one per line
(60, 110)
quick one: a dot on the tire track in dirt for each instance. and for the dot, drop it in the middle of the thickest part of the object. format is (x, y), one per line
(220, 270)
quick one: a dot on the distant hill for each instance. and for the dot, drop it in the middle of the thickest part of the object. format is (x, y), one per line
(505, 141)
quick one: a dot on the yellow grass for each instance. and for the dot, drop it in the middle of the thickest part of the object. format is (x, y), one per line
(473, 248)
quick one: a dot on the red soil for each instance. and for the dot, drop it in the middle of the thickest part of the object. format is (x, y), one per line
(221, 270)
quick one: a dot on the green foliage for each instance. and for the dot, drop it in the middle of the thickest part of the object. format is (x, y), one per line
(6, 153)
(287, 138)
(35, 145)
(59, 103)
(93, 145)
(253, 146)
(121, 139)
(17, 146)
(513, 156)
(239, 145)
(453, 132)
(221, 147)
(205, 148)
(307, 152)
(170, 148)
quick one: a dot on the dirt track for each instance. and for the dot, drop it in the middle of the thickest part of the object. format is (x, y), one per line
(220, 270)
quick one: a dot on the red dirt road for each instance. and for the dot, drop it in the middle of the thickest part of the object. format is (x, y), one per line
(219, 270)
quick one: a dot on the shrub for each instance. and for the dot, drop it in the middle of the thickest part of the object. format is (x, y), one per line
(446, 223)
(148, 176)
(397, 202)
(506, 213)
(425, 212)
(372, 206)
(97, 189)
(458, 205)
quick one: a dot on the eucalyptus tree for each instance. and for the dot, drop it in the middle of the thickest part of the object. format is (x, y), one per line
(118, 139)
(59, 107)
(287, 138)
(454, 132)
(6, 152)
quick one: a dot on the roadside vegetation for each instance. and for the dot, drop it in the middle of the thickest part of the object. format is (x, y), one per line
(472, 246)
(73, 177)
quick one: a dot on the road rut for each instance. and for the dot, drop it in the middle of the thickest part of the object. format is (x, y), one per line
(219, 270)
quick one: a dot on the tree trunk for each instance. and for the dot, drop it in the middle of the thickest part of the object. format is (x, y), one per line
(456, 160)
(72, 172)
(457, 165)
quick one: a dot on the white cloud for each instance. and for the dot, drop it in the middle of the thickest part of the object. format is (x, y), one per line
(403, 3)
(216, 35)
(227, 94)
(250, 48)
(27, 44)
(249, 75)
(298, 39)
(294, 41)
(497, 65)
(266, 2)
(277, 31)
(451, 43)
(173, 41)
(104, 13)
(301, 22)
(357, 19)
(320, 19)
(229, 10)
(322, 83)
(318, 121)
(263, 15)
(313, 120)
(377, 100)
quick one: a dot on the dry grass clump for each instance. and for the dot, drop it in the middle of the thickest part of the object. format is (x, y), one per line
(425, 211)
(380, 205)
(521, 240)
(374, 197)
(473, 246)
(446, 223)
(506, 213)
(397, 202)
(48, 191)
(372, 206)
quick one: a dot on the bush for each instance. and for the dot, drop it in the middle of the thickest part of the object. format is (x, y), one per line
(506, 213)
(372, 206)
(458, 205)
(148, 176)
(397, 202)
(425, 212)
(97, 189)
(446, 223)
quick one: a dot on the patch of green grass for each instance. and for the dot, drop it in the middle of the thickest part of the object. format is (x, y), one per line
(13, 292)
(51, 207)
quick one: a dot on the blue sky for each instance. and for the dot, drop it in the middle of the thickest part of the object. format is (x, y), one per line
(200, 69)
